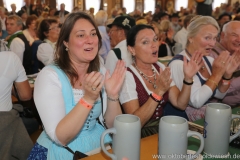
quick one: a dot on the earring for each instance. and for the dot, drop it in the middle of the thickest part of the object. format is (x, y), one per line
(133, 59)
(67, 49)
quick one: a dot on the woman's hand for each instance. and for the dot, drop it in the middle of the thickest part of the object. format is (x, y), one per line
(219, 64)
(232, 65)
(92, 85)
(163, 81)
(192, 67)
(114, 83)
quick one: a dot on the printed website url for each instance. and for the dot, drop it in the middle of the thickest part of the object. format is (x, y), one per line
(190, 156)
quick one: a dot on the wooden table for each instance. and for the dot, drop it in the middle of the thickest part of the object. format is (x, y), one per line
(149, 147)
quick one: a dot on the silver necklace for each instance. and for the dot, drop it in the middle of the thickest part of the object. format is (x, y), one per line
(146, 77)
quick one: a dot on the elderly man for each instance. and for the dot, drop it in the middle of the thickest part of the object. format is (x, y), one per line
(18, 42)
(13, 7)
(118, 33)
(61, 13)
(29, 8)
(230, 41)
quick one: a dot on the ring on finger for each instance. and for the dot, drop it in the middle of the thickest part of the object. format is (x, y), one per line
(223, 62)
(94, 89)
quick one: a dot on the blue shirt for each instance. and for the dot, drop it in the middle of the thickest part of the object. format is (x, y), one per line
(105, 43)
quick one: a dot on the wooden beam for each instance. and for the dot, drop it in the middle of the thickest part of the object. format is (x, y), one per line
(1, 3)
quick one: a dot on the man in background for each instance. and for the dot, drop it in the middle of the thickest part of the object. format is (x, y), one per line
(230, 41)
(118, 34)
(18, 42)
(61, 13)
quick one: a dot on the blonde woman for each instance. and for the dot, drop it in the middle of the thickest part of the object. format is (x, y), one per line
(167, 32)
(210, 80)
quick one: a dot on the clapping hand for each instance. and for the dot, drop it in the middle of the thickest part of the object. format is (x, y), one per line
(219, 66)
(163, 81)
(94, 81)
(233, 64)
(190, 68)
(114, 83)
(92, 85)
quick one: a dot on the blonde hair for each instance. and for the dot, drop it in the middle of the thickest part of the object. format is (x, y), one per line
(141, 21)
(197, 23)
(101, 18)
(165, 25)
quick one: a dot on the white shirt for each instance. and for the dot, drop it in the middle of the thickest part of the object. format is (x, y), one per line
(112, 59)
(11, 70)
(181, 37)
(28, 36)
(18, 46)
(129, 91)
(48, 98)
(45, 52)
(199, 93)
(3, 21)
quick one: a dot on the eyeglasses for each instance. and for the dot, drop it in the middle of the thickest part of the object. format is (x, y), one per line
(55, 27)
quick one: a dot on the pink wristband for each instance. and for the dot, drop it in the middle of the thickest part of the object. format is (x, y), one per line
(85, 104)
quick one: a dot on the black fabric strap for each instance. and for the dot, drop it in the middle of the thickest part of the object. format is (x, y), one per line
(228, 79)
(16, 93)
(117, 51)
(104, 123)
(69, 149)
(187, 83)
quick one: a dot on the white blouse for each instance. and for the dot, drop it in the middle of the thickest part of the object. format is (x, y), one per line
(199, 93)
(129, 91)
(49, 99)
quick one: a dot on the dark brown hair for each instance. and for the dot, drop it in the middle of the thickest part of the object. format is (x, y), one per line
(62, 59)
(44, 26)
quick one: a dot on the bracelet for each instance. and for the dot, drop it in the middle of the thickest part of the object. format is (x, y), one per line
(187, 83)
(213, 82)
(156, 97)
(225, 82)
(227, 78)
(85, 104)
(112, 99)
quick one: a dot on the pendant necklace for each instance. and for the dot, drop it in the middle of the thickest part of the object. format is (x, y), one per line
(147, 77)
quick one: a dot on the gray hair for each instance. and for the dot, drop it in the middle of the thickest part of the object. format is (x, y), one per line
(17, 19)
(101, 18)
(228, 24)
(197, 23)
(13, 4)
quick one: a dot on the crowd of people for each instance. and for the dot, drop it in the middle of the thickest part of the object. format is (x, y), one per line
(92, 68)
